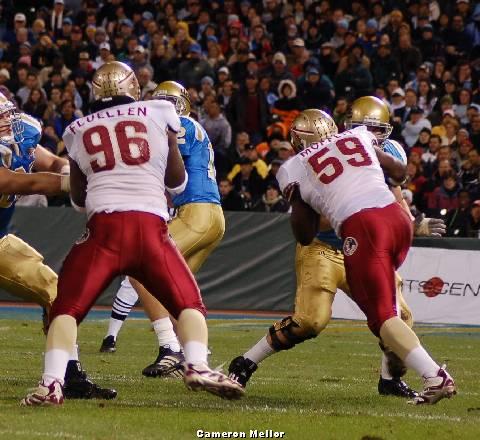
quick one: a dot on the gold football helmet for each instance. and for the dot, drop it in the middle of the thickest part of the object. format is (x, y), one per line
(176, 94)
(373, 113)
(311, 126)
(11, 127)
(115, 79)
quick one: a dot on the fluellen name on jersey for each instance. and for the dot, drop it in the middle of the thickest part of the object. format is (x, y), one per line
(110, 113)
(253, 433)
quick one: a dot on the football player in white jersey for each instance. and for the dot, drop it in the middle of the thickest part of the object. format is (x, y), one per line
(22, 271)
(123, 157)
(343, 179)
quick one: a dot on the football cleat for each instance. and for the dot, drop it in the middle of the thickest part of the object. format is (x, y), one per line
(45, 395)
(108, 345)
(79, 386)
(241, 369)
(169, 363)
(201, 377)
(435, 389)
(395, 387)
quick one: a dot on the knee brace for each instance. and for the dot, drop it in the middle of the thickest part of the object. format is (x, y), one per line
(286, 333)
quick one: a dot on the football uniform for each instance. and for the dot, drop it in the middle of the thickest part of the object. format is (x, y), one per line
(199, 225)
(339, 195)
(123, 153)
(22, 272)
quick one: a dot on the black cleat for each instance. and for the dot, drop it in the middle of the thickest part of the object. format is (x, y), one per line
(108, 345)
(241, 369)
(395, 387)
(79, 386)
(169, 363)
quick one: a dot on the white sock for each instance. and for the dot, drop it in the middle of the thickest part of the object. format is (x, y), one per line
(74, 353)
(384, 372)
(260, 351)
(163, 328)
(56, 361)
(421, 362)
(114, 326)
(195, 352)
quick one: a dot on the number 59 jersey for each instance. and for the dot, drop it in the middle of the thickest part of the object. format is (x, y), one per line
(339, 177)
(123, 152)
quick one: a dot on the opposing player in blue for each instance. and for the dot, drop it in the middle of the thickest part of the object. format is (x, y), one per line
(22, 271)
(197, 229)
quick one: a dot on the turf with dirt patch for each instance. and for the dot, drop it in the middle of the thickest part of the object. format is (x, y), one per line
(323, 389)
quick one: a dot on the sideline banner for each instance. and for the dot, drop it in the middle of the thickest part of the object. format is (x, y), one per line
(439, 285)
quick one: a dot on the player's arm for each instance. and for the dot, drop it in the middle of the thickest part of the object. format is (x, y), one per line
(47, 161)
(176, 177)
(48, 184)
(395, 169)
(78, 185)
(303, 220)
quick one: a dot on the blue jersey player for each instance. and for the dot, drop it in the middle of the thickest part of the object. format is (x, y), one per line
(22, 271)
(197, 229)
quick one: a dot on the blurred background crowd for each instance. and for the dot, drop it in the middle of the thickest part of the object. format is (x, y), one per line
(251, 66)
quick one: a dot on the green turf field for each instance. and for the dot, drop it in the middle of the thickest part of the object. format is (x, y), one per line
(323, 389)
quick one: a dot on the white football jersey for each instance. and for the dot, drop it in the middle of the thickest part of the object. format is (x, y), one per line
(123, 152)
(339, 177)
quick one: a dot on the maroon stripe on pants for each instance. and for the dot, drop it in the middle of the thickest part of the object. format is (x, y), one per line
(376, 242)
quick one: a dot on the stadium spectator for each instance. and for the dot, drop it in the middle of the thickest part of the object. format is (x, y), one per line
(272, 200)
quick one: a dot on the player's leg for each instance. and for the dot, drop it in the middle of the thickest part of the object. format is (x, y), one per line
(76, 295)
(375, 245)
(392, 367)
(319, 271)
(125, 298)
(197, 230)
(170, 357)
(166, 275)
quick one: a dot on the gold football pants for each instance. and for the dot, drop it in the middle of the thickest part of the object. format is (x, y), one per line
(197, 230)
(320, 271)
(23, 274)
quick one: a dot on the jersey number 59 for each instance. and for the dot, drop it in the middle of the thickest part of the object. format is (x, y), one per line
(98, 139)
(330, 168)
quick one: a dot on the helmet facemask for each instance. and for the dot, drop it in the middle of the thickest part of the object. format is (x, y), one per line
(11, 127)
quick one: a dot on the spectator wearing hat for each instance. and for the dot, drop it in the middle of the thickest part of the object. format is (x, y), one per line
(458, 219)
(251, 153)
(370, 40)
(397, 101)
(272, 200)
(328, 59)
(192, 70)
(104, 55)
(422, 142)
(315, 91)
(414, 125)
(248, 182)
(300, 56)
(19, 22)
(338, 38)
(278, 71)
(139, 60)
(57, 16)
(230, 198)
(430, 46)
(288, 105)
(76, 45)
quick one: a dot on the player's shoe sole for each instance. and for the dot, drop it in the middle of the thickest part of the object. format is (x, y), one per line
(202, 378)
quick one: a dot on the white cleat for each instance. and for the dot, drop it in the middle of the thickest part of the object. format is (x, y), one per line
(200, 377)
(44, 395)
(435, 389)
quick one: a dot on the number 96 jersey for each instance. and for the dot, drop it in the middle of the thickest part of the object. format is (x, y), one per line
(340, 176)
(123, 151)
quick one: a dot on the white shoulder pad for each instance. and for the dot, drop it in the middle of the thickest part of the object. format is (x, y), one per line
(289, 172)
(395, 149)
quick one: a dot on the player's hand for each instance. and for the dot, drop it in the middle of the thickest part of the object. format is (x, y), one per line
(429, 227)
(292, 192)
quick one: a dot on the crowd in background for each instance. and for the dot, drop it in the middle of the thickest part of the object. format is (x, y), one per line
(251, 66)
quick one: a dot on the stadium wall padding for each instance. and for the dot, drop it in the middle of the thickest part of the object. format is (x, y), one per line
(252, 269)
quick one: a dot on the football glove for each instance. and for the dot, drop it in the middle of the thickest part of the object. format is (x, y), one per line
(429, 227)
